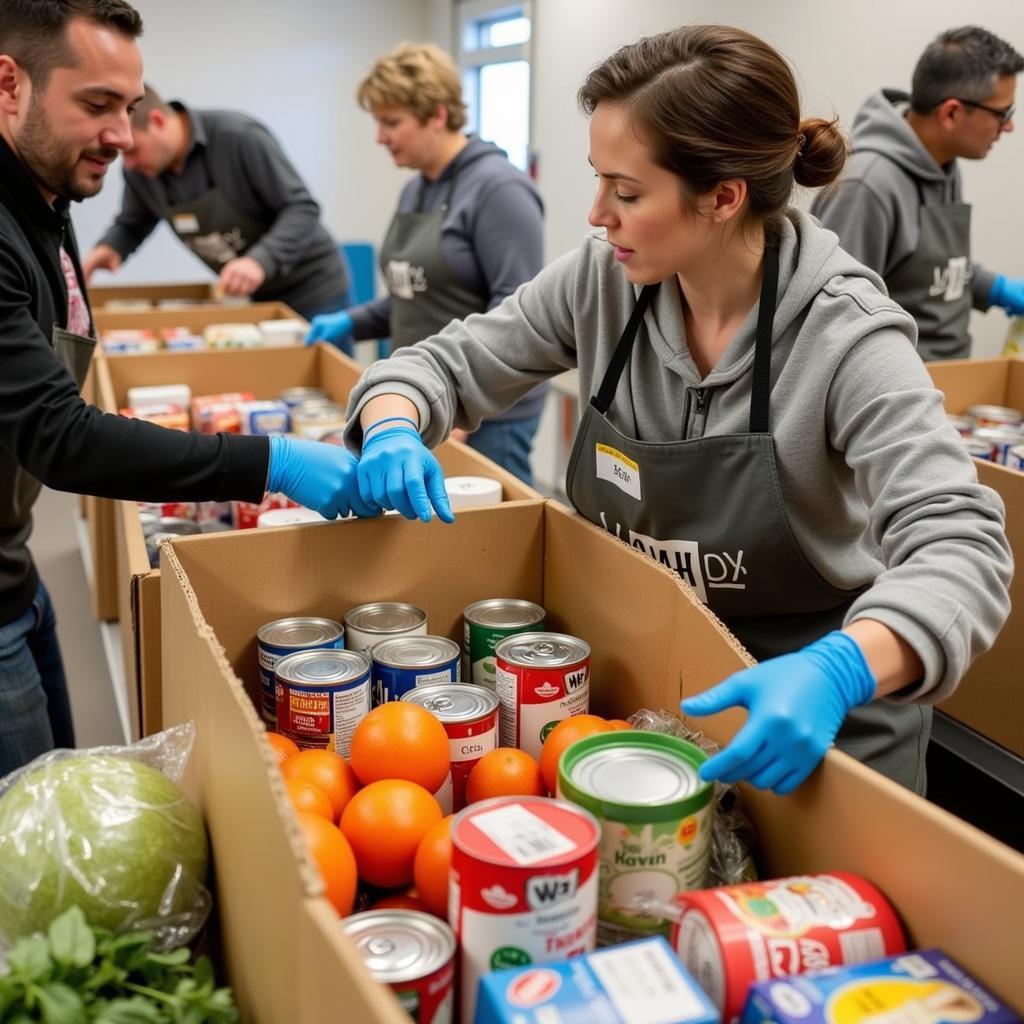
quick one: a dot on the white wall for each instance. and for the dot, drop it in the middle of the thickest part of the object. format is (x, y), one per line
(841, 53)
(295, 66)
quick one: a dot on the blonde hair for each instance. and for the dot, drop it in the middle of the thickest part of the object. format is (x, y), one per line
(419, 76)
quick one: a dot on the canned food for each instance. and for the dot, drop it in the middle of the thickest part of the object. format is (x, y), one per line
(278, 639)
(288, 517)
(313, 421)
(523, 886)
(322, 696)
(487, 623)
(541, 679)
(1000, 440)
(402, 663)
(369, 624)
(978, 449)
(469, 715)
(728, 938)
(299, 396)
(413, 954)
(963, 424)
(1015, 457)
(995, 416)
(656, 815)
(167, 528)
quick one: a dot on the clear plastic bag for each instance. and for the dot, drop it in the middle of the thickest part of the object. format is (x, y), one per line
(107, 829)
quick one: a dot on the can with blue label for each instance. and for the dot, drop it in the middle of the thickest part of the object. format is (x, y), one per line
(405, 662)
(282, 637)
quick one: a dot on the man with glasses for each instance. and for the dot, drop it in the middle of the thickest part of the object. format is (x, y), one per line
(898, 206)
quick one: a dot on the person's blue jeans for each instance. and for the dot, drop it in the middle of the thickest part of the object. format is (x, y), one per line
(35, 712)
(508, 443)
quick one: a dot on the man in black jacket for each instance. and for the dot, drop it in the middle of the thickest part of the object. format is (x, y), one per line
(70, 75)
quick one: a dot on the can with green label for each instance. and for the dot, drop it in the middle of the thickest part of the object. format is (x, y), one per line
(487, 623)
(655, 813)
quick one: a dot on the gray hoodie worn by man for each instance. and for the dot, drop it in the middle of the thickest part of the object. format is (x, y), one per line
(878, 486)
(874, 207)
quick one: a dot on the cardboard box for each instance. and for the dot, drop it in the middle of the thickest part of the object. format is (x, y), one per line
(265, 372)
(990, 698)
(198, 291)
(193, 317)
(653, 643)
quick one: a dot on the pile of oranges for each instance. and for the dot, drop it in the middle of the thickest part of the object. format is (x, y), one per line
(374, 819)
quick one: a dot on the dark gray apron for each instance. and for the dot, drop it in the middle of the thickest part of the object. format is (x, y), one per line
(712, 509)
(425, 294)
(933, 283)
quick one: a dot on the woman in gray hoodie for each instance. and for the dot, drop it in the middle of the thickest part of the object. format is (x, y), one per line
(756, 417)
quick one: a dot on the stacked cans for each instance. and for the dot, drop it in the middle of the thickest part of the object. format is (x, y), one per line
(993, 433)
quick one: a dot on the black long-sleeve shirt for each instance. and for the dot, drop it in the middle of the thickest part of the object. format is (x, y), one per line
(48, 434)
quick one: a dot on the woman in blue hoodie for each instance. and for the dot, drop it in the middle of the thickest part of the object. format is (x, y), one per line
(468, 230)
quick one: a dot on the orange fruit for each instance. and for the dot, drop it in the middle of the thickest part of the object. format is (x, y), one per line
(400, 901)
(332, 854)
(618, 724)
(327, 770)
(432, 866)
(504, 772)
(307, 797)
(563, 735)
(282, 747)
(399, 740)
(385, 822)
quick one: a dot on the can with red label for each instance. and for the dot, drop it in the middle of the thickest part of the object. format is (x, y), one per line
(413, 954)
(523, 885)
(469, 715)
(540, 679)
(731, 937)
(322, 695)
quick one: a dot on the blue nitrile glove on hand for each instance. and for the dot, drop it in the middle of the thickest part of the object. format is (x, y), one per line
(1009, 294)
(333, 327)
(797, 704)
(397, 471)
(319, 476)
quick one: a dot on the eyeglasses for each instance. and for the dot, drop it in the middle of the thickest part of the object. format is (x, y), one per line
(1004, 114)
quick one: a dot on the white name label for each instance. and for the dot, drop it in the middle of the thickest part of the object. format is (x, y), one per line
(618, 469)
(186, 223)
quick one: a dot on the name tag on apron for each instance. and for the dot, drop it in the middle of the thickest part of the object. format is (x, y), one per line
(618, 469)
(186, 223)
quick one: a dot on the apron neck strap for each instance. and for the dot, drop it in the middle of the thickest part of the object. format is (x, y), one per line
(762, 384)
(451, 188)
(603, 401)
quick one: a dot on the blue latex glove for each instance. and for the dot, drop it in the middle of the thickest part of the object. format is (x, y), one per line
(796, 705)
(1009, 294)
(333, 327)
(319, 476)
(397, 471)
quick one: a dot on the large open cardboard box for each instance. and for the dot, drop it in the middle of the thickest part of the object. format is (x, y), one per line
(652, 643)
(265, 372)
(197, 291)
(990, 698)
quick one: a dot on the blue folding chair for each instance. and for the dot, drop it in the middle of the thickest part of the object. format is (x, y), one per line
(362, 273)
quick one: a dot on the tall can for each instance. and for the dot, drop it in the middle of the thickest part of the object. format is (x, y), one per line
(278, 639)
(728, 938)
(656, 817)
(413, 954)
(523, 886)
(321, 697)
(405, 662)
(486, 624)
(1000, 441)
(541, 679)
(469, 715)
(369, 624)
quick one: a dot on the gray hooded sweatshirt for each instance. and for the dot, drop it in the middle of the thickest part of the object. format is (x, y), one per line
(873, 208)
(878, 486)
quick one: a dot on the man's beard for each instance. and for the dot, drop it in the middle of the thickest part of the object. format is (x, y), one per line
(55, 165)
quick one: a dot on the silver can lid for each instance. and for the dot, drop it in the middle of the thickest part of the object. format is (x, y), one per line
(400, 945)
(322, 668)
(635, 775)
(326, 411)
(454, 702)
(416, 652)
(299, 395)
(977, 447)
(542, 650)
(177, 527)
(996, 412)
(504, 612)
(300, 631)
(385, 617)
(998, 435)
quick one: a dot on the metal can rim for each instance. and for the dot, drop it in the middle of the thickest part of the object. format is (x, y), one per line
(426, 924)
(420, 694)
(335, 628)
(452, 651)
(358, 663)
(573, 642)
(472, 611)
(350, 622)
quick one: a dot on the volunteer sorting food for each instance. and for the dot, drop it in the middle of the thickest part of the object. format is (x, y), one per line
(757, 417)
